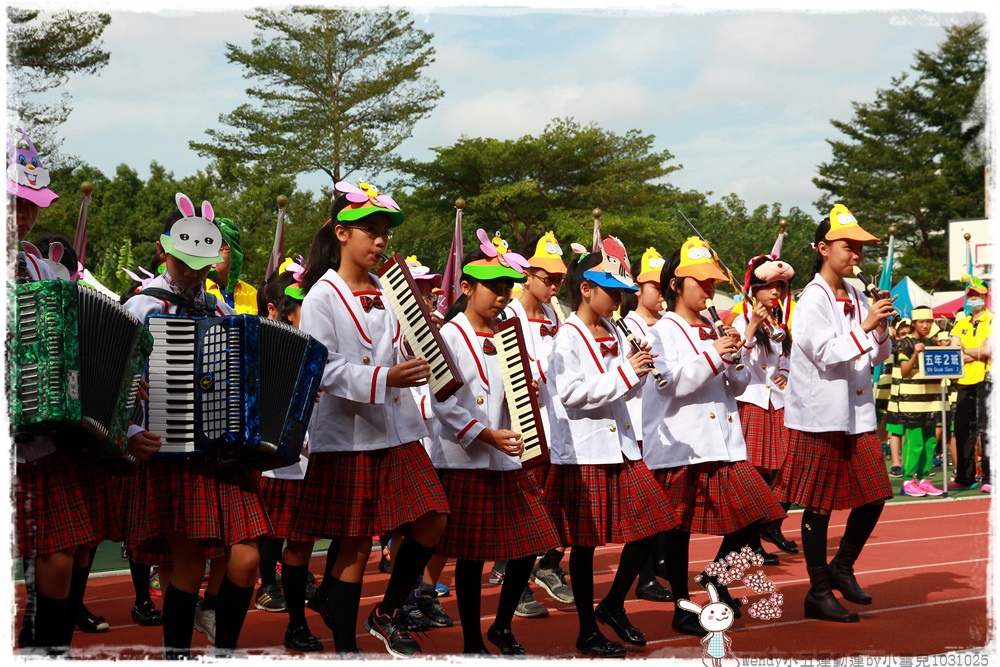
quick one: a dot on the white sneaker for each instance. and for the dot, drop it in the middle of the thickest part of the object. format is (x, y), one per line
(204, 622)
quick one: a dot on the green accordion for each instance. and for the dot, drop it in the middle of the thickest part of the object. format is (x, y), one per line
(74, 367)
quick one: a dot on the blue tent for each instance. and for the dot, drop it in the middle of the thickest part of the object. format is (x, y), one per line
(908, 294)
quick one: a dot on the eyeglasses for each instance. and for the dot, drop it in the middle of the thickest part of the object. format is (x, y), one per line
(373, 233)
(431, 300)
(550, 281)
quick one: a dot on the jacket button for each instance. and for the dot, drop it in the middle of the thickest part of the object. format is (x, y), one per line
(367, 360)
(711, 415)
(480, 401)
(763, 367)
(395, 398)
(730, 418)
(628, 426)
(858, 391)
(613, 428)
(767, 385)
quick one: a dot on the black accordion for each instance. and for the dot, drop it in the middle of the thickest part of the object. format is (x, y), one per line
(74, 367)
(232, 388)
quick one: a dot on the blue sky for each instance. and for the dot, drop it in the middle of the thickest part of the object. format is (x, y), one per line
(742, 97)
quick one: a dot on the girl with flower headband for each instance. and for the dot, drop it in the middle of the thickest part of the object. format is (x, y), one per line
(692, 440)
(280, 298)
(368, 472)
(767, 284)
(497, 509)
(598, 489)
(187, 510)
(641, 310)
(834, 457)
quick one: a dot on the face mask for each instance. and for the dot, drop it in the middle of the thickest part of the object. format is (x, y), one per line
(975, 303)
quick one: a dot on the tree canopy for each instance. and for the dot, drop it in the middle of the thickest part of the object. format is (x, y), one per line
(41, 56)
(336, 90)
(914, 157)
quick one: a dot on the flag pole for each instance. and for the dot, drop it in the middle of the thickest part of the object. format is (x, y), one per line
(596, 246)
(453, 268)
(968, 258)
(80, 238)
(278, 249)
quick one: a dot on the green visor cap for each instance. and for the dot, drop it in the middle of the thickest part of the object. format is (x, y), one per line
(396, 218)
(196, 262)
(483, 270)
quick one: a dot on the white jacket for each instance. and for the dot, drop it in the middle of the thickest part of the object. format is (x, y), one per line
(693, 418)
(763, 362)
(640, 330)
(477, 405)
(830, 374)
(587, 413)
(356, 410)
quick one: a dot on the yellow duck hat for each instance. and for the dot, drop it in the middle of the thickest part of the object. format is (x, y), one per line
(843, 225)
(650, 266)
(698, 261)
(548, 255)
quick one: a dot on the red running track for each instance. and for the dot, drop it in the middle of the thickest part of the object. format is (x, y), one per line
(926, 565)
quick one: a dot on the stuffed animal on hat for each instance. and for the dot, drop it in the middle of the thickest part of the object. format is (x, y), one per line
(364, 200)
(698, 261)
(500, 249)
(27, 178)
(548, 255)
(764, 269)
(52, 261)
(195, 240)
(650, 266)
(496, 264)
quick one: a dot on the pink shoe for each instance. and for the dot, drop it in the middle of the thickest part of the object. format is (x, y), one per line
(987, 488)
(912, 488)
(929, 488)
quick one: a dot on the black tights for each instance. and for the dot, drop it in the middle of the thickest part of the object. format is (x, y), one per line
(468, 590)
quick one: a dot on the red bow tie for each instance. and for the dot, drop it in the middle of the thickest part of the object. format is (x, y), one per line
(609, 350)
(707, 333)
(488, 346)
(369, 302)
(546, 330)
(848, 307)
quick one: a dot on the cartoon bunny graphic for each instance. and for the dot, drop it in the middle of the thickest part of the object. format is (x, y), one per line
(715, 617)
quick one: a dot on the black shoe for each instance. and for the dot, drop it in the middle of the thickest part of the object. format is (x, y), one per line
(774, 535)
(653, 591)
(318, 604)
(686, 623)
(90, 623)
(145, 613)
(504, 640)
(301, 639)
(769, 559)
(618, 621)
(599, 646)
(392, 631)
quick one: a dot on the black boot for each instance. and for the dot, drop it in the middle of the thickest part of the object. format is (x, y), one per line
(820, 602)
(842, 574)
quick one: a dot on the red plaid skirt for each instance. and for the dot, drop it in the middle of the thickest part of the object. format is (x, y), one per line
(217, 504)
(354, 494)
(592, 505)
(495, 515)
(719, 497)
(833, 471)
(539, 473)
(281, 500)
(51, 504)
(109, 487)
(766, 435)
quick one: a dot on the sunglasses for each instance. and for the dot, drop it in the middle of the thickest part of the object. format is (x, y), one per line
(372, 232)
(550, 281)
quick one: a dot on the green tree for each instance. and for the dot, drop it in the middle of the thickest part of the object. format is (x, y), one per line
(42, 53)
(525, 187)
(338, 91)
(914, 157)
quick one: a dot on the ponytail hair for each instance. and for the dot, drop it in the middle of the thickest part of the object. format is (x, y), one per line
(821, 232)
(670, 284)
(576, 268)
(324, 253)
(630, 300)
(462, 302)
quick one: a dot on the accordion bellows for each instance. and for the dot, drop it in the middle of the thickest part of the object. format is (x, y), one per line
(232, 388)
(74, 367)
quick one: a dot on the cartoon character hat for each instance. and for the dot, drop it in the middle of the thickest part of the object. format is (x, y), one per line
(613, 271)
(296, 268)
(843, 225)
(764, 269)
(698, 261)
(650, 266)
(193, 240)
(500, 262)
(365, 200)
(974, 284)
(231, 235)
(421, 272)
(548, 255)
(26, 177)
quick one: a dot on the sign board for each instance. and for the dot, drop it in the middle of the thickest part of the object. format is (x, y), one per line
(942, 362)
(980, 246)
